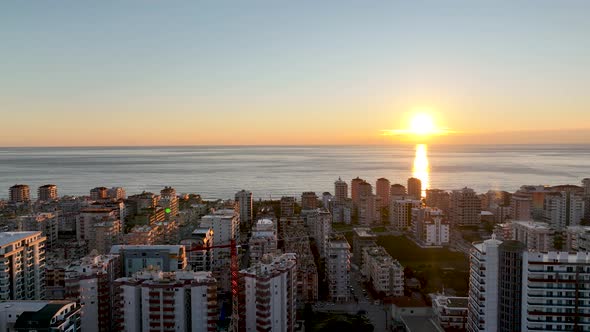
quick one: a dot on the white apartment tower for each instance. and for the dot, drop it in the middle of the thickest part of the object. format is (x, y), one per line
(166, 301)
(22, 261)
(270, 293)
(338, 269)
(563, 209)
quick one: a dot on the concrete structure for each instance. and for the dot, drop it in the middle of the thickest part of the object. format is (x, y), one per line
(226, 226)
(320, 225)
(586, 196)
(263, 240)
(450, 311)
(22, 261)
(309, 200)
(169, 202)
(244, 201)
(361, 238)
(338, 269)
(342, 211)
(47, 193)
(90, 216)
(577, 238)
(90, 281)
(465, 208)
(287, 206)
(153, 300)
(555, 292)
(430, 227)
(340, 190)
(397, 191)
(414, 188)
(327, 200)
(40, 316)
(369, 208)
(355, 189)
(385, 274)
(19, 193)
(269, 288)
(116, 193)
(563, 209)
(483, 286)
(521, 206)
(438, 198)
(45, 222)
(537, 236)
(200, 260)
(296, 241)
(400, 212)
(99, 193)
(383, 188)
(105, 234)
(168, 258)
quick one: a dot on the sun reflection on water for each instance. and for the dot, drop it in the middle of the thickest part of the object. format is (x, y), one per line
(421, 168)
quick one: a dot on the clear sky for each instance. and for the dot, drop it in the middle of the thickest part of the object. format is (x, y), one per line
(291, 72)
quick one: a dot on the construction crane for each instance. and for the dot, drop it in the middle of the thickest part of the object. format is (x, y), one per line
(234, 268)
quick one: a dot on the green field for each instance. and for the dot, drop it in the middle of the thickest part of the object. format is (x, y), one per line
(435, 268)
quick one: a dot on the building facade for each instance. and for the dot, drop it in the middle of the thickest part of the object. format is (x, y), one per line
(22, 259)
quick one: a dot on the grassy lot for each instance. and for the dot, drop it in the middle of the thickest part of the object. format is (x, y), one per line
(435, 268)
(331, 322)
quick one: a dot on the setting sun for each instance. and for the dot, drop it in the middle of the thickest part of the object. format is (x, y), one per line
(422, 124)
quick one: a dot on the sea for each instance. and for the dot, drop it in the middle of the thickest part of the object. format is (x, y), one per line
(217, 172)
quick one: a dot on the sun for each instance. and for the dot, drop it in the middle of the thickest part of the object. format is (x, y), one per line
(422, 124)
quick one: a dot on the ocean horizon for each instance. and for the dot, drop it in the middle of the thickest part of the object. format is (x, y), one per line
(271, 171)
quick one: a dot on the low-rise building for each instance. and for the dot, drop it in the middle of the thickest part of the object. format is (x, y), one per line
(54, 316)
(450, 312)
(535, 235)
(385, 274)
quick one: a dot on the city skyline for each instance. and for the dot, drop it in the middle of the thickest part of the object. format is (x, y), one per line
(292, 74)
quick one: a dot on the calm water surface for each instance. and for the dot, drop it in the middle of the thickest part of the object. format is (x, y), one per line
(220, 171)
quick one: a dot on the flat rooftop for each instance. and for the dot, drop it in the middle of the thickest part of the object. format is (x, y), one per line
(7, 238)
(420, 324)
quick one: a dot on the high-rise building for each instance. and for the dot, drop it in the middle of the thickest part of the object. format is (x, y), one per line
(153, 300)
(287, 206)
(438, 198)
(535, 235)
(430, 227)
(385, 274)
(577, 239)
(99, 193)
(54, 316)
(47, 193)
(383, 190)
(586, 186)
(450, 312)
(465, 209)
(199, 260)
(90, 281)
(400, 212)
(226, 226)
(340, 190)
(309, 200)
(245, 206)
(369, 209)
(415, 188)
(327, 199)
(355, 189)
(22, 258)
(338, 269)
(104, 235)
(263, 240)
(342, 211)
(169, 202)
(397, 191)
(296, 241)
(19, 193)
(512, 289)
(361, 237)
(521, 206)
(483, 286)
(563, 209)
(270, 291)
(116, 193)
(168, 258)
(320, 225)
(46, 222)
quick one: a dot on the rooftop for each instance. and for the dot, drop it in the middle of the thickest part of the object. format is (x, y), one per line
(11, 237)
(172, 248)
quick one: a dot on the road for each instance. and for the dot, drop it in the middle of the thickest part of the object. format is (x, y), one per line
(377, 313)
